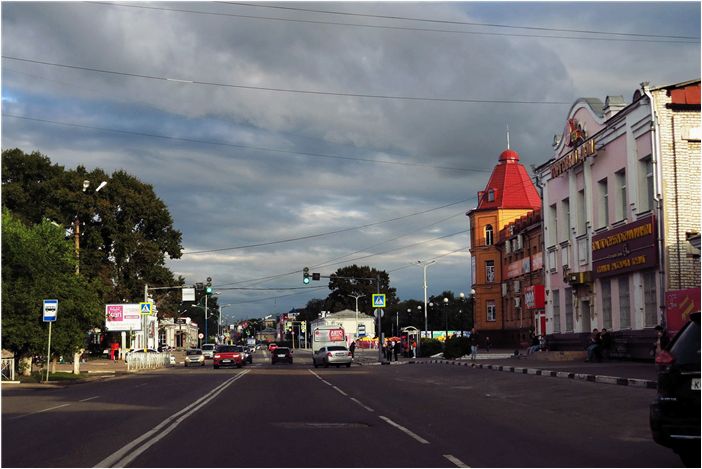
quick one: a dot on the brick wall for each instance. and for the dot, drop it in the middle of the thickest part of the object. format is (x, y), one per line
(680, 168)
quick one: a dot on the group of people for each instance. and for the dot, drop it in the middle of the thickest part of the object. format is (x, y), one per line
(598, 345)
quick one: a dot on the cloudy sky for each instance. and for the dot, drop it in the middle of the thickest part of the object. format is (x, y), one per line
(325, 134)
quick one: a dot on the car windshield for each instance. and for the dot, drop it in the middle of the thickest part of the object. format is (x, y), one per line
(208, 347)
(194, 352)
(335, 348)
(227, 348)
(281, 350)
(686, 349)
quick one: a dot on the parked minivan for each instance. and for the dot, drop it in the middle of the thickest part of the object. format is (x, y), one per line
(208, 350)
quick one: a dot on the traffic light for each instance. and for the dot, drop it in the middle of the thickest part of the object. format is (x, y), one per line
(208, 288)
(306, 275)
(316, 276)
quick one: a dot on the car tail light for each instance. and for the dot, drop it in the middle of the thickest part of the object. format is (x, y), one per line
(329, 354)
(349, 354)
(665, 358)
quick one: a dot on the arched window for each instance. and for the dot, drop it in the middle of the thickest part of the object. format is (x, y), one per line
(488, 235)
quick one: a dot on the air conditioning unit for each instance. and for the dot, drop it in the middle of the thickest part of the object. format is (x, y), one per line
(517, 302)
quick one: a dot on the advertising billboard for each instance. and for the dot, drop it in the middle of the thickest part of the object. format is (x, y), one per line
(625, 249)
(124, 317)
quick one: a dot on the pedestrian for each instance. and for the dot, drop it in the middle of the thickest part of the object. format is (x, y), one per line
(352, 348)
(605, 343)
(535, 345)
(414, 349)
(487, 344)
(397, 350)
(662, 340)
(474, 340)
(593, 346)
(389, 345)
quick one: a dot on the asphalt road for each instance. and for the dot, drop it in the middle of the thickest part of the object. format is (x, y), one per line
(299, 416)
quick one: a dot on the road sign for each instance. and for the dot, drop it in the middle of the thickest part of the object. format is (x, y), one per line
(379, 300)
(379, 312)
(146, 308)
(201, 335)
(188, 294)
(361, 332)
(50, 310)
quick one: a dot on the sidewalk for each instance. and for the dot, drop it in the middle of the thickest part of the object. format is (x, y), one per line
(624, 373)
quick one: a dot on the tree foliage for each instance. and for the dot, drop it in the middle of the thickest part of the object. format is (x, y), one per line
(125, 229)
(342, 289)
(38, 264)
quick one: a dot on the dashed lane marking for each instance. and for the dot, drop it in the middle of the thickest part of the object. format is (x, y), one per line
(405, 430)
(39, 412)
(455, 460)
(88, 399)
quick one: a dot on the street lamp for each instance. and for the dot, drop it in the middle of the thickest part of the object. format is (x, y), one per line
(219, 322)
(76, 221)
(472, 308)
(355, 334)
(460, 311)
(446, 300)
(426, 327)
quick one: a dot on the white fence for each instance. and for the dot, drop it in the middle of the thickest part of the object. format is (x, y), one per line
(8, 369)
(147, 361)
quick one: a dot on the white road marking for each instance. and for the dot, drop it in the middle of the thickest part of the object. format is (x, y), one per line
(362, 404)
(39, 411)
(406, 430)
(340, 391)
(89, 399)
(455, 460)
(130, 451)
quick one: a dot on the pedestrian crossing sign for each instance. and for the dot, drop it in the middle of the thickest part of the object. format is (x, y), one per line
(146, 308)
(379, 300)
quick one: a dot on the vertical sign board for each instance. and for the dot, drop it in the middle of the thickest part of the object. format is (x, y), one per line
(50, 310)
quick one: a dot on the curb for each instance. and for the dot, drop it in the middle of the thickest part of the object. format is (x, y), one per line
(603, 379)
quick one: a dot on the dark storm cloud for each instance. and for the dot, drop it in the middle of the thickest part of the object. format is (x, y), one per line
(249, 166)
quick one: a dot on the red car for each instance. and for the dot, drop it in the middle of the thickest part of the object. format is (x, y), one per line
(227, 355)
(272, 347)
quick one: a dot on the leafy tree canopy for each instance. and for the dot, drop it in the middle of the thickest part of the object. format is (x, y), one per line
(38, 264)
(343, 288)
(125, 229)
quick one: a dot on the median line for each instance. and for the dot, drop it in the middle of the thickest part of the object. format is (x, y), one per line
(131, 451)
(405, 430)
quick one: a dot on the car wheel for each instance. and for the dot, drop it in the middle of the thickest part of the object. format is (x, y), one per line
(348, 365)
(238, 365)
(216, 367)
(338, 366)
(690, 456)
(326, 365)
(202, 364)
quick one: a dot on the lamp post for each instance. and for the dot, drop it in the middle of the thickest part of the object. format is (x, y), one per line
(219, 322)
(460, 311)
(426, 327)
(76, 224)
(446, 300)
(431, 305)
(472, 308)
(355, 334)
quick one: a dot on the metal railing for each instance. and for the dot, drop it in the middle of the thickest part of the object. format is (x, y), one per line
(147, 361)
(8, 369)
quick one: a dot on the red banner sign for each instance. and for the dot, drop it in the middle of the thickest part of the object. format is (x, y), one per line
(678, 306)
(535, 297)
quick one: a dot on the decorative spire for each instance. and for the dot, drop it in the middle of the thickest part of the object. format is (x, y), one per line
(508, 136)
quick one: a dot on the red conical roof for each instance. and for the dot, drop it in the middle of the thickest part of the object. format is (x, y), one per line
(509, 186)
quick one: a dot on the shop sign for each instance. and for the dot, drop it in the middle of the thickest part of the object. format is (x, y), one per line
(678, 306)
(123, 317)
(628, 248)
(535, 297)
(537, 261)
(573, 158)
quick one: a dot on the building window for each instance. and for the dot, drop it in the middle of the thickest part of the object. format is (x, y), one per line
(650, 303)
(556, 299)
(606, 303)
(564, 229)
(581, 213)
(603, 209)
(621, 195)
(552, 261)
(624, 307)
(489, 271)
(569, 309)
(488, 235)
(491, 195)
(491, 311)
(646, 184)
(553, 226)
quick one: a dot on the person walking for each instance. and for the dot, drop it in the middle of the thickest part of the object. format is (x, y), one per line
(352, 348)
(662, 340)
(487, 344)
(474, 341)
(397, 349)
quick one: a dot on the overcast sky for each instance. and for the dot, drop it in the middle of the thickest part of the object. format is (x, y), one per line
(294, 127)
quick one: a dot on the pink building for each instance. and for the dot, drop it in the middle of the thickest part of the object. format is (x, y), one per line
(621, 196)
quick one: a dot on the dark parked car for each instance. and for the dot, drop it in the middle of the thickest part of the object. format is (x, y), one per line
(281, 354)
(675, 414)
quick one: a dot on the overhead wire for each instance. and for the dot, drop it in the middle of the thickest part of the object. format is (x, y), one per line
(671, 40)
(286, 90)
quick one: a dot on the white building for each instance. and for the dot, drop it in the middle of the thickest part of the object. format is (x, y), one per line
(355, 325)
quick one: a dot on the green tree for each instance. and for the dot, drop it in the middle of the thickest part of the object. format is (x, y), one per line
(38, 264)
(342, 289)
(125, 229)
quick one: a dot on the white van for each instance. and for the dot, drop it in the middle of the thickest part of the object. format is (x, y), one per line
(208, 350)
(324, 336)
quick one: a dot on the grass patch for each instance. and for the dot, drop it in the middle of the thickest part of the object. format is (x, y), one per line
(38, 377)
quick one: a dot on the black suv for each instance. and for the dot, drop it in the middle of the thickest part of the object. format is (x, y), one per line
(281, 354)
(675, 414)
